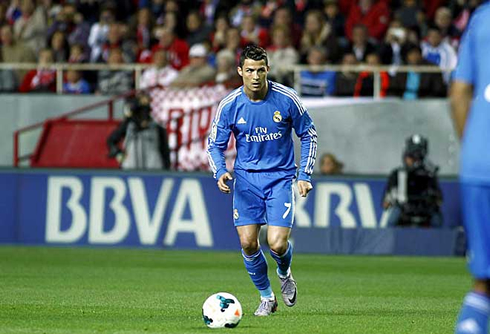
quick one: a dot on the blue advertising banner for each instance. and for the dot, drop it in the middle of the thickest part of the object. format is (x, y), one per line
(108, 208)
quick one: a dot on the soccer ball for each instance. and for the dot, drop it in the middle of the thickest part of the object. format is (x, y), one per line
(222, 310)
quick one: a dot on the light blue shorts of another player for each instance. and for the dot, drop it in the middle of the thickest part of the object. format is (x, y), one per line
(476, 211)
(263, 198)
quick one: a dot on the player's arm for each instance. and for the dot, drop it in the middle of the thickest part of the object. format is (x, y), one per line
(305, 130)
(217, 144)
(462, 86)
(461, 96)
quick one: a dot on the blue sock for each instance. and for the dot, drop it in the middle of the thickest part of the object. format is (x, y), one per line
(284, 260)
(256, 265)
(473, 317)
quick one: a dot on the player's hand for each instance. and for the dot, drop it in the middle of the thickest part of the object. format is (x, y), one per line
(304, 188)
(222, 182)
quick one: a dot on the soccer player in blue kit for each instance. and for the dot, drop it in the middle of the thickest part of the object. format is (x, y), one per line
(261, 114)
(470, 102)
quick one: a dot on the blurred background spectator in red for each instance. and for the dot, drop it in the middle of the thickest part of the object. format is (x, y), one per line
(42, 79)
(374, 14)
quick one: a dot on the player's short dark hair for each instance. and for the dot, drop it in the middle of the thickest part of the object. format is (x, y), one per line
(253, 52)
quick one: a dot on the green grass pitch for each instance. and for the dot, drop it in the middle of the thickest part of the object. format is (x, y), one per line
(130, 291)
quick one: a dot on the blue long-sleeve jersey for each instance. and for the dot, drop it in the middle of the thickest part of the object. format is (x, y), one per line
(263, 133)
(474, 69)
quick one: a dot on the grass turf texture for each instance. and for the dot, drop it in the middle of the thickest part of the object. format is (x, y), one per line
(81, 290)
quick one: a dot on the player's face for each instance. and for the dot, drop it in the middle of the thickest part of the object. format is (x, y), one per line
(254, 74)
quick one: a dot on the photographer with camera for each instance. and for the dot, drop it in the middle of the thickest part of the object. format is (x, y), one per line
(412, 195)
(145, 142)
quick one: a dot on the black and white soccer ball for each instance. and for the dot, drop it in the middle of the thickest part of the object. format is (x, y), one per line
(222, 309)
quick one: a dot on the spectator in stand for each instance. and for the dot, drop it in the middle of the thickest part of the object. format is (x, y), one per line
(334, 17)
(374, 14)
(318, 32)
(198, 72)
(80, 32)
(13, 11)
(462, 11)
(317, 82)
(245, 7)
(413, 35)
(114, 81)
(42, 79)
(141, 27)
(157, 7)
(197, 30)
(284, 18)
(173, 22)
(414, 85)
(408, 14)
(345, 80)
(75, 84)
(115, 39)
(443, 21)
(439, 52)
(8, 78)
(64, 21)
(3, 14)
(30, 28)
(360, 45)
(98, 33)
(14, 51)
(365, 80)
(330, 165)
(176, 48)
(253, 34)
(77, 54)
(233, 43)
(281, 54)
(218, 36)
(391, 50)
(160, 74)
(226, 72)
(59, 46)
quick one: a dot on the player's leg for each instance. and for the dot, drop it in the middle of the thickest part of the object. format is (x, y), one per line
(280, 216)
(248, 214)
(473, 317)
(256, 265)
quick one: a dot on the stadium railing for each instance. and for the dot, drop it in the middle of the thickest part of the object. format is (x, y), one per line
(138, 69)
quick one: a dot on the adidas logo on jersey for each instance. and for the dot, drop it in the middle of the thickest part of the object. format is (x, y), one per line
(241, 121)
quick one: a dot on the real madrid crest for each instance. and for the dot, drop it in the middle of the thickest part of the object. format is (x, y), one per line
(235, 214)
(277, 116)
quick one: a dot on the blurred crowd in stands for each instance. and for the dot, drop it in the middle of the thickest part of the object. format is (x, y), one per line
(196, 42)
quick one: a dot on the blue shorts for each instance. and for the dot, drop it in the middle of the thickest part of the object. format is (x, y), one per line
(263, 198)
(475, 201)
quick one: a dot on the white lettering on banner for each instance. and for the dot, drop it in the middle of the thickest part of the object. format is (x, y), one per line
(148, 224)
(365, 205)
(190, 193)
(78, 224)
(323, 195)
(119, 232)
(148, 227)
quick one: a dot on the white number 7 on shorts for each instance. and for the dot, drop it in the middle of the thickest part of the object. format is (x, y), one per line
(288, 206)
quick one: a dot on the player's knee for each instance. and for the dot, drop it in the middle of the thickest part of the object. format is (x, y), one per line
(278, 246)
(249, 246)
